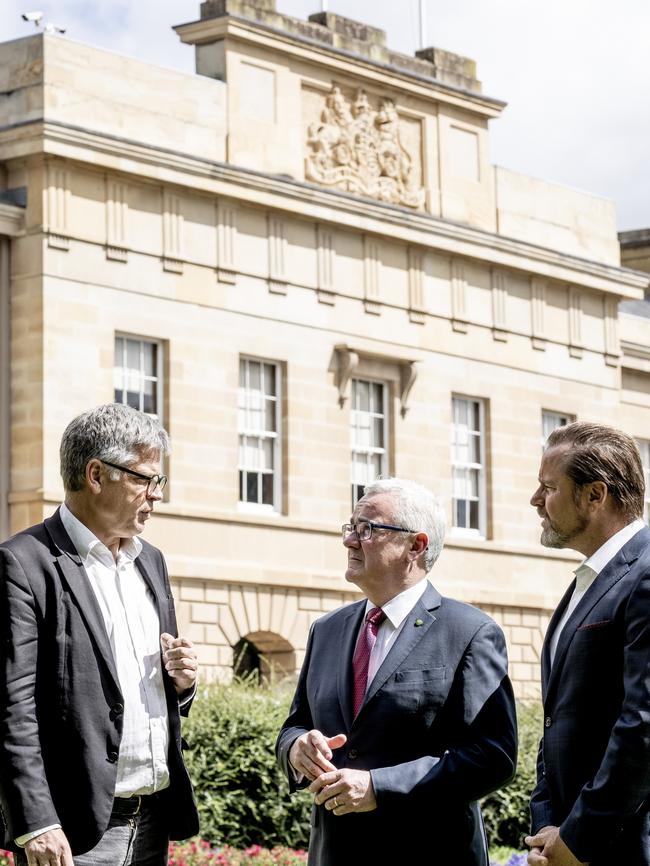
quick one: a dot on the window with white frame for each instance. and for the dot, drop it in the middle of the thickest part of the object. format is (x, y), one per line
(258, 424)
(644, 450)
(468, 466)
(368, 433)
(137, 374)
(551, 421)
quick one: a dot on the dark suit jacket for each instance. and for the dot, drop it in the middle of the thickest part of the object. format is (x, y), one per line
(437, 730)
(60, 700)
(594, 758)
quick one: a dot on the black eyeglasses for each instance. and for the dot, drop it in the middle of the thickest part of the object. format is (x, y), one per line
(363, 529)
(154, 481)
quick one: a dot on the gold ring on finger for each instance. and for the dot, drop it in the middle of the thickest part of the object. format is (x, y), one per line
(336, 802)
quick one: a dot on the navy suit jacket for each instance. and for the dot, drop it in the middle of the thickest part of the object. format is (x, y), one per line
(593, 776)
(60, 700)
(437, 730)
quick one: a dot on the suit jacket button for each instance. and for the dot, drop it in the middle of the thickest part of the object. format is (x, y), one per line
(112, 757)
(547, 722)
(353, 754)
(118, 708)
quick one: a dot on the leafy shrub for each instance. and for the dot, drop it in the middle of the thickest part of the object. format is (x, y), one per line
(506, 812)
(242, 795)
(244, 799)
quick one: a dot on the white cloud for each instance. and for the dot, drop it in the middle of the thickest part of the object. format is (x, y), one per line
(574, 72)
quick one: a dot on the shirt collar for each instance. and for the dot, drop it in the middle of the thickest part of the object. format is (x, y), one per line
(606, 552)
(399, 607)
(87, 544)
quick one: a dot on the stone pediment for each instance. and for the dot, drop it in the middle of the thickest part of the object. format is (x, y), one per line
(359, 149)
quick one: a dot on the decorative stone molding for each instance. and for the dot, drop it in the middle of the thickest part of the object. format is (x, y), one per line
(610, 324)
(458, 297)
(347, 362)
(403, 372)
(417, 310)
(359, 150)
(371, 301)
(575, 323)
(226, 236)
(325, 265)
(57, 207)
(117, 211)
(172, 233)
(277, 256)
(499, 296)
(537, 313)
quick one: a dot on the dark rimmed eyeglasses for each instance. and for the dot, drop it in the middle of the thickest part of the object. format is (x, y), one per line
(363, 529)
(153, 481)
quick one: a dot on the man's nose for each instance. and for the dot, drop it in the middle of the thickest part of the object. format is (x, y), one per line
(156, 494)
(351, 539)
(536, 499)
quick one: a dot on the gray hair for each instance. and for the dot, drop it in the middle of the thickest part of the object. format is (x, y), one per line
(415, 508)
(112, 432)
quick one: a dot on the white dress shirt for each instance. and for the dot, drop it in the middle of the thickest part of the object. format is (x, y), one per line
(133, 629)
(589, 570)
(396, 610)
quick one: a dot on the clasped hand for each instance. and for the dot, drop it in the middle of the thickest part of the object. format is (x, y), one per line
(340, 791)
(547, 848)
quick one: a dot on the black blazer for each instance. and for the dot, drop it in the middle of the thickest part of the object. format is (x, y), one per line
(593, 776)
(60, 701)
(437, 730)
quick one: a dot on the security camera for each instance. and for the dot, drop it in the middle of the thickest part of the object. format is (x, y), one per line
(35, 17)
(53, 28)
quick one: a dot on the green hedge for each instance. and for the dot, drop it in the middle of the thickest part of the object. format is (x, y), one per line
(243, 797)
(507, 819)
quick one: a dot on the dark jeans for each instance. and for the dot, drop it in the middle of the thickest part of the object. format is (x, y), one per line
(140, 840)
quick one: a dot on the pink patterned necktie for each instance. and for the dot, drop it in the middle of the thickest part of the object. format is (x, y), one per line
(361, 660)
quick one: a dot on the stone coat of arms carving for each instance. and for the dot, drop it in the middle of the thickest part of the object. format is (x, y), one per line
(359, 150)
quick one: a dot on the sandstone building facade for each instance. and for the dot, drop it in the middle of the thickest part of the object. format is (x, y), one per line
(302, 260)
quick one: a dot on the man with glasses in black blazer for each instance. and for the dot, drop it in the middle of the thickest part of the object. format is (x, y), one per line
(403, 715)
(93, 677)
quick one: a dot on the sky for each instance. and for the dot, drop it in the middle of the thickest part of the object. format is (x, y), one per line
(575, 73)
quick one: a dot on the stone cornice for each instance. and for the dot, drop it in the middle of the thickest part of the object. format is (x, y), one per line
(12, 220)
(157, 164)
(338, 59)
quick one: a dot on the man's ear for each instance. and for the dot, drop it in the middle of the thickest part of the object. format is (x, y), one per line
(93, 475)
(597, 494)
(419, 544)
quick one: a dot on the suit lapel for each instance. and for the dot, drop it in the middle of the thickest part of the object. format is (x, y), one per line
(351, 623)
(151, 577)
(615, 569)
(408, 638)
(74, 574)
(546, 647)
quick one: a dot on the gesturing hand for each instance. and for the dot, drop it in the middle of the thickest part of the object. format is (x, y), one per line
(179, 657)
(311, 753)
(345, 791)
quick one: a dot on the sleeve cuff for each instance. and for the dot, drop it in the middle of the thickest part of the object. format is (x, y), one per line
(185, 700)
(21, 841)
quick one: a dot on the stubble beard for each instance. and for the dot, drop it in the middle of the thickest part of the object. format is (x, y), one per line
(553, 537)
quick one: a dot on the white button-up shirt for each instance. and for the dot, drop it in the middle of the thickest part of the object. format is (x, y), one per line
(131, 619)
(396, 610)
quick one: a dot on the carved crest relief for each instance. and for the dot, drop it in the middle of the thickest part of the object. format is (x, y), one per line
(357, 149)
